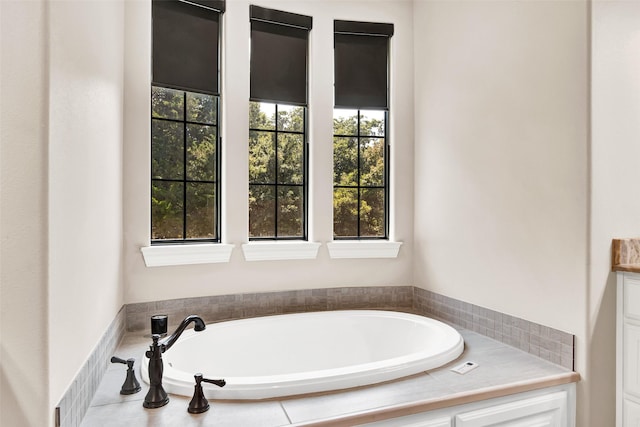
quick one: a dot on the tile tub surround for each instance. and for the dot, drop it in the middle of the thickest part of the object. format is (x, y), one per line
(625, 255)
(241, 306)
(547, 343)
(502, 370)
(75, 402)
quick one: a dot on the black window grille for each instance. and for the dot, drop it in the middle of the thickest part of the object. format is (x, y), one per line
(185, 112)
(360, 134)
(278, 149)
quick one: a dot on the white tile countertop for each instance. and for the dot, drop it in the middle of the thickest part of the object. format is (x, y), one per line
(502, 370)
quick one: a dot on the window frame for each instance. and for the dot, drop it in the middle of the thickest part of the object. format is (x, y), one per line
(276, 184)
(375, 30)
(281, 22)
(359, 186)
(185, 181)
(211, 6)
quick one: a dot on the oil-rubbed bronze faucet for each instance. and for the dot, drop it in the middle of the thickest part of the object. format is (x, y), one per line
(131, 384)
(199, 403)
(157, 397)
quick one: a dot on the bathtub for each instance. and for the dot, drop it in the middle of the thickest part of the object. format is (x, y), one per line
(291, 354)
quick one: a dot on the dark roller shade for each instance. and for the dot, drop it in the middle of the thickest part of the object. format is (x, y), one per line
(185, 45)
(217, 5)
(279, 45)
(363, 28)
(361, 57)
(280, 17)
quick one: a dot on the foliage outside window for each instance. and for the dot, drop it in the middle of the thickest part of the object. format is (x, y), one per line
(359, 174)
(184, 165)
(276, 171)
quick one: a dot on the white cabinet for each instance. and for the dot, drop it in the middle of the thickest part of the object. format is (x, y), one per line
(630, 358)
(631, 413)
(628, 351)
(542, 411)
(417, 420)
(551, 407)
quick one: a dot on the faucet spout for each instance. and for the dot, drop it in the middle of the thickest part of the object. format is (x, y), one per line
(171, 340)
(157, 397)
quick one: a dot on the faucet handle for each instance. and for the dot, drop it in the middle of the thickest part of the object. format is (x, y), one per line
(219, 383)
(128, 362)
(199, 403)
(131, 384)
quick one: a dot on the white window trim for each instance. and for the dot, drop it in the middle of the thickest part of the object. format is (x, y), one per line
(206, 253)
(281, 250)
(363, 249)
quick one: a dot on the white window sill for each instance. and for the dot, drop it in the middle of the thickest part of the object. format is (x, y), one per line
(165, 255)
(282, 250)
(363, 249)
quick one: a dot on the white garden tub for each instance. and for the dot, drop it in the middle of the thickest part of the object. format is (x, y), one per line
(283, 355)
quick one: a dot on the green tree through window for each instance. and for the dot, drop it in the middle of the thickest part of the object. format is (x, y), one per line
(184, 165)
(276, 171)
(359, 174)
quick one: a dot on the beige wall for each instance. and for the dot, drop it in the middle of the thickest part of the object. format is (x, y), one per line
(237, 276)
(60, 196)
(501, 149)
(23, 216)
(615, 205)
(86, 55)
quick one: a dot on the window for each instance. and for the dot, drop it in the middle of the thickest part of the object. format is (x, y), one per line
(276, 171)
(360, 142)
(277, 125)
(359, 173)
(185, 137)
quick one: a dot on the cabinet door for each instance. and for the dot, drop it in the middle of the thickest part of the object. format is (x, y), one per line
(631, 413)
(631, 359)
(632, 298)
(543, 411)
(417, 420)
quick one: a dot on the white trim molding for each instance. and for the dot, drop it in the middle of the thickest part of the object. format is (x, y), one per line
(281, 250)
(363, 249)
(165, 255)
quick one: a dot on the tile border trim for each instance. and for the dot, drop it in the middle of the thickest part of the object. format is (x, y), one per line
(241, 306)
(547, 343)
(74, 403)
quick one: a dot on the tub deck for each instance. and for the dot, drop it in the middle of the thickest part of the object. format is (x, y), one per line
(502, 370)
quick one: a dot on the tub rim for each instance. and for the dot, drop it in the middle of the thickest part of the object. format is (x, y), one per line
(323, 380)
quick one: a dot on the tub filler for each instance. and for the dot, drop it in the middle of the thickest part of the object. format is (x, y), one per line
(291, 354)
